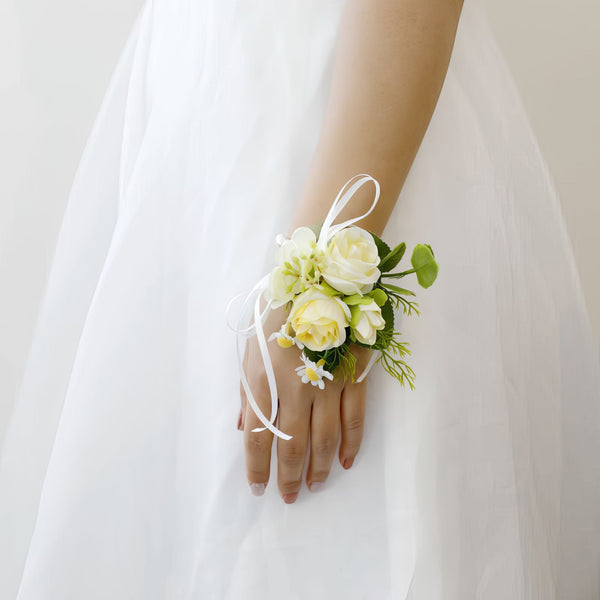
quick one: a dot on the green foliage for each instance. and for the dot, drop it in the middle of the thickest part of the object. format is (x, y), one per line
(398, 290)
(393, 258)
(391, 360)
(347, 366)
(339, 358)
(398, 275)
(408, 307)
(424, 265)
(396, 297)
(382, 248)
(317, 356)
(387, 312)
(423, 261)
(327, 289)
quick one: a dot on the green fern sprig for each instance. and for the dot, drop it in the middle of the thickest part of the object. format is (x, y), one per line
(347, 365)
(408, 307)
(391, 360)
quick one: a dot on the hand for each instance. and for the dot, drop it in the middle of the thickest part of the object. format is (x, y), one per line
(303, 408)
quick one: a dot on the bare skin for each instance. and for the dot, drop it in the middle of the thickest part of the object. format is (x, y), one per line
(390, 64)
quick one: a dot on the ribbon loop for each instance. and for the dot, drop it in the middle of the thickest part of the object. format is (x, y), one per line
(328, 230)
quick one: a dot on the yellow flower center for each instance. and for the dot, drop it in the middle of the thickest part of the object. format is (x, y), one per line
(311, 374)
(285, 342)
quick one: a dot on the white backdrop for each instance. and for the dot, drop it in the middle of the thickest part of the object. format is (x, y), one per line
(56, 58)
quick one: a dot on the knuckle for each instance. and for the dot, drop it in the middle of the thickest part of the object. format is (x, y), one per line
(351, 448)
(257, 476)
(289, 486)
(324, 446)
(319, 475)
(257, 444)
(292, 454)
(353, 423)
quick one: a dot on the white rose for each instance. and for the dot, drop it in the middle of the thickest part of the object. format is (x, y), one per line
(297, 266)
(282, 286)
(319, 321)
(366, 321)
(350, 261)
(301, 245)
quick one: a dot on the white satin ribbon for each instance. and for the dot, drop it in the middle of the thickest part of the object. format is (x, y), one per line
(253, 298)
(375, 354)
(328, 230)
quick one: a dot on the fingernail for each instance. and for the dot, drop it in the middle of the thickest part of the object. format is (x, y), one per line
(257, 489)
(290, 498)
(239, 421)
(315, 486)
(348, 463)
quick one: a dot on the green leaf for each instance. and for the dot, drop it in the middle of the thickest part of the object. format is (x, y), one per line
(382, 248)
(423, 262)
(339, 361)
(327, 289)
(387, 312)
(397, 275)
(347, 363)
(398, 290)
(313, 354)
(385, 335)
(331, 358)
(393, 258)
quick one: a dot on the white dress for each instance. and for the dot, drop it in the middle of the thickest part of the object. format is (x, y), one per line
(122, 474)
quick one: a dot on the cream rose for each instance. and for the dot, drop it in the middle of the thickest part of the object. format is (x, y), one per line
(319, 321)
(366, 321)
(350, 261)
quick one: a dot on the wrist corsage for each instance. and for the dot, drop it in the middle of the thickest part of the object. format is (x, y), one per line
(335, 282)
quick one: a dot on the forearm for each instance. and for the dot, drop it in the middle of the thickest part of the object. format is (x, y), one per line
(390, 64)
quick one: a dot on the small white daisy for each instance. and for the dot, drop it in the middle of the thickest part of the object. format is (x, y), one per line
(313, 372)
(284, 339)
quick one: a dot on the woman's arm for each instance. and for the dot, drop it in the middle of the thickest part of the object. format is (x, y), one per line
(391, 59)
(390, 64)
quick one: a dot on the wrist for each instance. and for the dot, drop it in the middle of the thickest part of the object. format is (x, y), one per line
(315, 203)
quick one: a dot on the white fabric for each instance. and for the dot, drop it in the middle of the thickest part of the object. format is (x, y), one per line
(482, 483)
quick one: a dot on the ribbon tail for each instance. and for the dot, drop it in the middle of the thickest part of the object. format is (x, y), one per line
(375, 354)
(250, 398)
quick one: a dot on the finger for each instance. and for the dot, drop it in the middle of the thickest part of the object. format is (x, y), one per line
(242, 413)
(294, 419)
(243, 398)
(353, 414)
(324, 436)
(258, 444)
